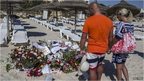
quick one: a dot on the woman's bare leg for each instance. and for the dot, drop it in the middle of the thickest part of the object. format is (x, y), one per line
(125, 72)
(119, 68)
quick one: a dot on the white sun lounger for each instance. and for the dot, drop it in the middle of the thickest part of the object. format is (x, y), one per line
(137, 24)
(75, 37)
(53, 27)
(79, 34)
(19, 36)
(3, 33)
(31, 18)
(47, 25)
(50, 26)
(42, 22)
(3, 36)
(3, 26)
(139, 37)
(16, 27)
(70, 35)
(66, 33)
(35, 20)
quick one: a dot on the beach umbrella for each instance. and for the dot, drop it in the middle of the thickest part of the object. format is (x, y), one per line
(123, 4)
(9, 6)
(103, 8)
(11, 1)
(75, 5)
(37, 7)
(53, 6)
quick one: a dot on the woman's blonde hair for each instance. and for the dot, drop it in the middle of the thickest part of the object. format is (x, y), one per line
(126, 13)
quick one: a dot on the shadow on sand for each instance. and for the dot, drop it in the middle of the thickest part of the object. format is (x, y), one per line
(31, 34)
(29, 27)
(141, 54)
(84, 77)
(25, 24)
(109, 71)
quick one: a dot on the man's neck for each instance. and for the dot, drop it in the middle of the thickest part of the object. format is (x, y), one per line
(97, 13)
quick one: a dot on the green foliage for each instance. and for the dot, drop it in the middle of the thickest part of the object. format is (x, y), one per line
(54, 64)
(33, 62)
(8, 67)
(69, 55)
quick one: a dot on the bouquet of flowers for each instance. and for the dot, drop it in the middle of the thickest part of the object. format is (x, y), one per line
(33, 60)
(34, 72)
(25, 58)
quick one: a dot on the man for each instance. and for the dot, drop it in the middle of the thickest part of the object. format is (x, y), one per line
(98, 28)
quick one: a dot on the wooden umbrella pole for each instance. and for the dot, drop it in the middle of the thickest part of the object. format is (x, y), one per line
(56, 16)
(75, 19)
(8, 36)
(11, 17)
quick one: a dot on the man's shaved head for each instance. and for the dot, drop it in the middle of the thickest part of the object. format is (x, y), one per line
(93, 3)
(93, 8)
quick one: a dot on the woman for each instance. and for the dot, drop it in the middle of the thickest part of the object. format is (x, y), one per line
(123, 26)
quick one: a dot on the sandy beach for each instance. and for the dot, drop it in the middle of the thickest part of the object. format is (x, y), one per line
(135, 62)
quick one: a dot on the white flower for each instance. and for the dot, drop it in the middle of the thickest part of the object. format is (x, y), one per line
(61, 64)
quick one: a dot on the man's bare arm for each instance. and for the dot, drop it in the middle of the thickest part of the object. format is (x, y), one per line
(83, 41)
(110, 39)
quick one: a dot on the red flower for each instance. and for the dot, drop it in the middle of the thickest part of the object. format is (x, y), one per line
(58, 62)
(48, 62)
(28, 75)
